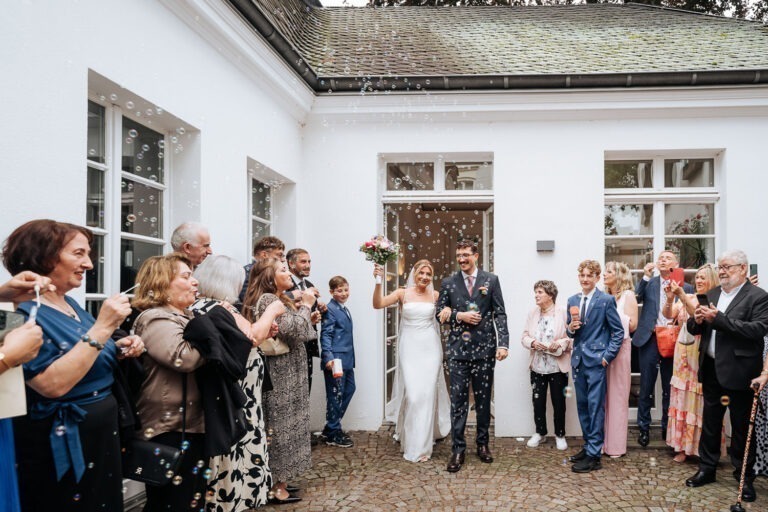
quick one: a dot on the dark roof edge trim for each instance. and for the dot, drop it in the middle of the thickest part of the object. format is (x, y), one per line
(263, 26)
(574, 81)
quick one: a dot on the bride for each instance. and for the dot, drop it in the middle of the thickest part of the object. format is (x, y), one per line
(419, 397)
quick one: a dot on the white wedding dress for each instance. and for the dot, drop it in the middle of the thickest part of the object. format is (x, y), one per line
(420, 399)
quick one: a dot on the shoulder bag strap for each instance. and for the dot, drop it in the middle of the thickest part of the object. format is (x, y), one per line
(183, 407)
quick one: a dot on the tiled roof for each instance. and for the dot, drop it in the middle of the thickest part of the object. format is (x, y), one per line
(514, 41)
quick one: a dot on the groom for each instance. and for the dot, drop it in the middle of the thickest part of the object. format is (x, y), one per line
(472, 301)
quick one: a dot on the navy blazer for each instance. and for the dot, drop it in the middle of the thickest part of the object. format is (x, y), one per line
(601, 333)
(739, 339)
(483, 339)
(336, 340)
(648, 293)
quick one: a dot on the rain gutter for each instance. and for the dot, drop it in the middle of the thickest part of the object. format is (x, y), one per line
(438, 83)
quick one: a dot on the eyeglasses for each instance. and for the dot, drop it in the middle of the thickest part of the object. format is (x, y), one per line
(465, 255)
(727, 268)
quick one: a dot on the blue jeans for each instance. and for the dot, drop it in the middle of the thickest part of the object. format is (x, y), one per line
(338, 393)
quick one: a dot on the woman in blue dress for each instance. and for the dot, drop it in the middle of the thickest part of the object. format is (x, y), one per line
(67, 447)
(19, 346)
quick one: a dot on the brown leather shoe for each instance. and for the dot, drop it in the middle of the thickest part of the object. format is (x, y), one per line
(484, 453)
(457, 460)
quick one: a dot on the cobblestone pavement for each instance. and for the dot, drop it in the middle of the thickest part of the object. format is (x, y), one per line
(373, 476)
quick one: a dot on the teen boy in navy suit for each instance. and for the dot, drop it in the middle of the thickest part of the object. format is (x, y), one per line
(337, 343)
(597, 335)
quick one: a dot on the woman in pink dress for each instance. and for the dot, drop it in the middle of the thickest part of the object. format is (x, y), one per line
(686, 401)
(618, 282)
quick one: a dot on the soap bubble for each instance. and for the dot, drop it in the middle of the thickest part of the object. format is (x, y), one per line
(725, 400)
(129, 104)
(130, 217)
(61, 430)
(177, 362)
(149, 432)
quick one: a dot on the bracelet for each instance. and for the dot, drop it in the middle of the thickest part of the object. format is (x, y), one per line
(764, 372)
(90, 341)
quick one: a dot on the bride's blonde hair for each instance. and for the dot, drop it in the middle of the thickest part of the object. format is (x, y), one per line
(422, 263)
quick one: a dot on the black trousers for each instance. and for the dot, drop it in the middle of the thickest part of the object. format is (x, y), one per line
(480, 373)
(651, 365)
(557, 383)
(101, 485)
(192, 485)
(739, 404)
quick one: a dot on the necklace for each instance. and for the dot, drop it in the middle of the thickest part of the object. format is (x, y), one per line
(550, 308)
(67, 311)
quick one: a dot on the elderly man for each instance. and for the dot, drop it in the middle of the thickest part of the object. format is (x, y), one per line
(732, 327)
(193, 240)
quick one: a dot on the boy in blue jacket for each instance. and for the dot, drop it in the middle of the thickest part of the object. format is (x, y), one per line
(336, 342)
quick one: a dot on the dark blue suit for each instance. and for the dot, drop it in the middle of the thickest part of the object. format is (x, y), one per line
(336, 342)
(599, 337)
(471, 350)
(644, 338)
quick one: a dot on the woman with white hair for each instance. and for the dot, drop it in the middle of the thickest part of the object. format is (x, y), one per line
(240, 479)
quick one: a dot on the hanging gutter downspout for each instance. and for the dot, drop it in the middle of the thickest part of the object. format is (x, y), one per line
(436, 83)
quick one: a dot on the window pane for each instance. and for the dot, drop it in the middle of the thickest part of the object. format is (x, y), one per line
(392, 320)
(635, 252)
(93, 306)
(94, 278)
(391, 349)
(468, 176)
(95, 199)
(260, 200)
(96, 132)
(390, 383)
(132, 255)
(413, 176)
(628, 174)
(628, 219)
(140, 209)
(143, 151)
(692, 252)
(258, 230)
(689, 219)
(689, 173)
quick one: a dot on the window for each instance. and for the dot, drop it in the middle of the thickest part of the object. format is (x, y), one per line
(261, 210)
(459, 174)
(125, 204)
(660, 203)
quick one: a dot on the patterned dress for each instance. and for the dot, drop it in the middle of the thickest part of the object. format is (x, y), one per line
(760, 436)
(686, 401)
(241, 480)
(286, 407)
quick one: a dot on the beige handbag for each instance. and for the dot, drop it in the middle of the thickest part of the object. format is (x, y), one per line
(685, 338)
(272, 346)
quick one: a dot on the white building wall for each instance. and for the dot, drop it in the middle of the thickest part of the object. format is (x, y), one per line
(548, 158)
(548, 185)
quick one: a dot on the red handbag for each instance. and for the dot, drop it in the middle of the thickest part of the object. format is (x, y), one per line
(666, 338)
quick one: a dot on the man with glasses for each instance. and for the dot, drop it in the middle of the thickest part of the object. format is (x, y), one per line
(471, 300)
(650, 292)
(732, 328)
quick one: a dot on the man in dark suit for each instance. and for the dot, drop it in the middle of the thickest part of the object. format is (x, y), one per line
(300, 265)
(266, 247)
(732, 328)
(650, 291)
(597, 334)
(471, 299)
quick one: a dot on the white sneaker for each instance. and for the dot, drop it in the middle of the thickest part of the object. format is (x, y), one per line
(534, 441)
(562, 444)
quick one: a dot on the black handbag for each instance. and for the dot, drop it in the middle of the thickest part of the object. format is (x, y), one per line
(155, 463)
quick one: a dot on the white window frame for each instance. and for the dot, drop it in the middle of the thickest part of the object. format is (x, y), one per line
(113, 175)
(439, 193)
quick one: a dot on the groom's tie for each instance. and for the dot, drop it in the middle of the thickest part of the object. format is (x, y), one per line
(470, 283)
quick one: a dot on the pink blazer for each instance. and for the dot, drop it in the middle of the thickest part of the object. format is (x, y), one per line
(566, 343)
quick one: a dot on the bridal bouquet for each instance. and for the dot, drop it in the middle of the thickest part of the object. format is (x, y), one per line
(380, 250)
